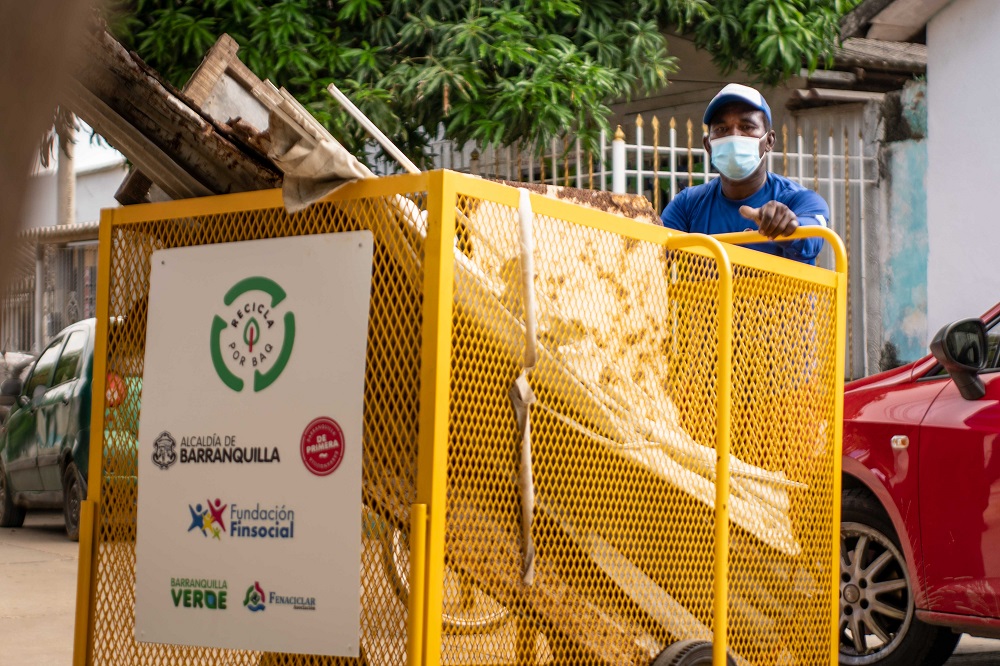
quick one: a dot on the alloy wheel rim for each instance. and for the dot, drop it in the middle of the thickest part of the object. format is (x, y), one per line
(876, 606)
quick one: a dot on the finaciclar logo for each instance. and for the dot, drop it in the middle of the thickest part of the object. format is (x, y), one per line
(254, 599)
(254, 339)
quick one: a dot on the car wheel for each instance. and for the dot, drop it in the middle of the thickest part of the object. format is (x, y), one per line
(688, 653)
(10, 515)
(73, 496)
(878, 625)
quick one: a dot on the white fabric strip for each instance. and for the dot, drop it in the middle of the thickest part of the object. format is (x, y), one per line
(521, 395)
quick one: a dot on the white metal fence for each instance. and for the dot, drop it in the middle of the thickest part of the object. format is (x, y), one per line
(67, 294)
(826, 151)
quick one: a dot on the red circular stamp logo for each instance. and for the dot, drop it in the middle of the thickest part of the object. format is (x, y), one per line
(322, 446)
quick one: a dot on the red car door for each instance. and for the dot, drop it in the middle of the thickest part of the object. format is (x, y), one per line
(960, 498)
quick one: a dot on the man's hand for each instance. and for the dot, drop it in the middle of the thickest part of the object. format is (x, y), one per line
(773, 219)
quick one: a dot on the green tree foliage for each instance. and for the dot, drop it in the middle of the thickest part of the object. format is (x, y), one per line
(494, 71)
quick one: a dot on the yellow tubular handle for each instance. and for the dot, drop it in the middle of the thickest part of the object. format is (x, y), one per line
(723, 436)
(809, 231)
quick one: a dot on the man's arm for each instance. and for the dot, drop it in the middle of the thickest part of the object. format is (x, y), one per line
(810, 209)
(675, 215)
(804, 249)
(776, 219)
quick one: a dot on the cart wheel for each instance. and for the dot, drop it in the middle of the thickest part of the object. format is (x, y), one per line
(688, 653)
(467, 609)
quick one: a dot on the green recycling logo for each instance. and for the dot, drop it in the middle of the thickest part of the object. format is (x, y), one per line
(255, 339)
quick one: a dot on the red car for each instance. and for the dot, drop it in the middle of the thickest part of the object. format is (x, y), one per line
(920, 523)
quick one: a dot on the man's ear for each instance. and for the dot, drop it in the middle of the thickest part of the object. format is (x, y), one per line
(708, 146)
(769, 141)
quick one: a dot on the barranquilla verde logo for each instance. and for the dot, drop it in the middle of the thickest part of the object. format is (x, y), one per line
(199, 593)
(255, 335)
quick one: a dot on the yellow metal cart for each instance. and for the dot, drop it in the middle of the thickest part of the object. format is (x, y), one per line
(667, 487)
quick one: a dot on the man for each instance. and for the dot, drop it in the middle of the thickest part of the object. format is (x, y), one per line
(746, 197)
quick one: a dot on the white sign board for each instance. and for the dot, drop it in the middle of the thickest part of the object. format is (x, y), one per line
(249, 516)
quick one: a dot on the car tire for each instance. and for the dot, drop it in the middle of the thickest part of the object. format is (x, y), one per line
(688, 653)
(73, 496)
(10, 514)
(876, 598)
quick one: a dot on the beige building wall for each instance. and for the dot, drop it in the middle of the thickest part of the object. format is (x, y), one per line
(690, 90)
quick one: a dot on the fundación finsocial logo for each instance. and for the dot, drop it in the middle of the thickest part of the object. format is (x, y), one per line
(245, 521)
(254, 337)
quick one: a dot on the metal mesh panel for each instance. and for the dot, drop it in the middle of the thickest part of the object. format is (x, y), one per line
(623, 435)
(390, 409)
(784, 401)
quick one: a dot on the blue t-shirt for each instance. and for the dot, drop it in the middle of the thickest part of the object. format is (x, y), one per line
(704, 209)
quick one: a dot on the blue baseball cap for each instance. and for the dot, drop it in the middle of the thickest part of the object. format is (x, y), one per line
(736, 92)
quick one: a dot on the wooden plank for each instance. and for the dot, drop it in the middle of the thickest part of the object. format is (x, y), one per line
(141, 151)
(178, 148)
(212, 68)
(135, 187)
(855, 23)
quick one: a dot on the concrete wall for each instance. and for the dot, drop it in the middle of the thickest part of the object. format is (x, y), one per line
(903, 249)
(963, 177)
(95, 189)
(99, 169)
(691, 88)
(896, 233)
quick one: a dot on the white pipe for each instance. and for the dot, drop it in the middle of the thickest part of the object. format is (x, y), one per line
(638, 155)
(618, 162)
(602, 153)
(830, 181)
(861, 251)
(800, 158)
(372, 129)
(673, 161)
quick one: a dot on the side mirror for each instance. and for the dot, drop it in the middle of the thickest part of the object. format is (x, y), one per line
(11, 387)
(961, 348)
(9, 390)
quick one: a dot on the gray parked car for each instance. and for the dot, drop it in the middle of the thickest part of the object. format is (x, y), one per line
(45, 439)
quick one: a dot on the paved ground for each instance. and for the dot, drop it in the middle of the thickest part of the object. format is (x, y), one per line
(37, 593)
(38, 597)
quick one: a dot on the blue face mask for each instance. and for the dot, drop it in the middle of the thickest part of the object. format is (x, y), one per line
(736, 157)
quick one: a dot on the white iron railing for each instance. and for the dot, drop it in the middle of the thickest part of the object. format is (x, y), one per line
(836, 162)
